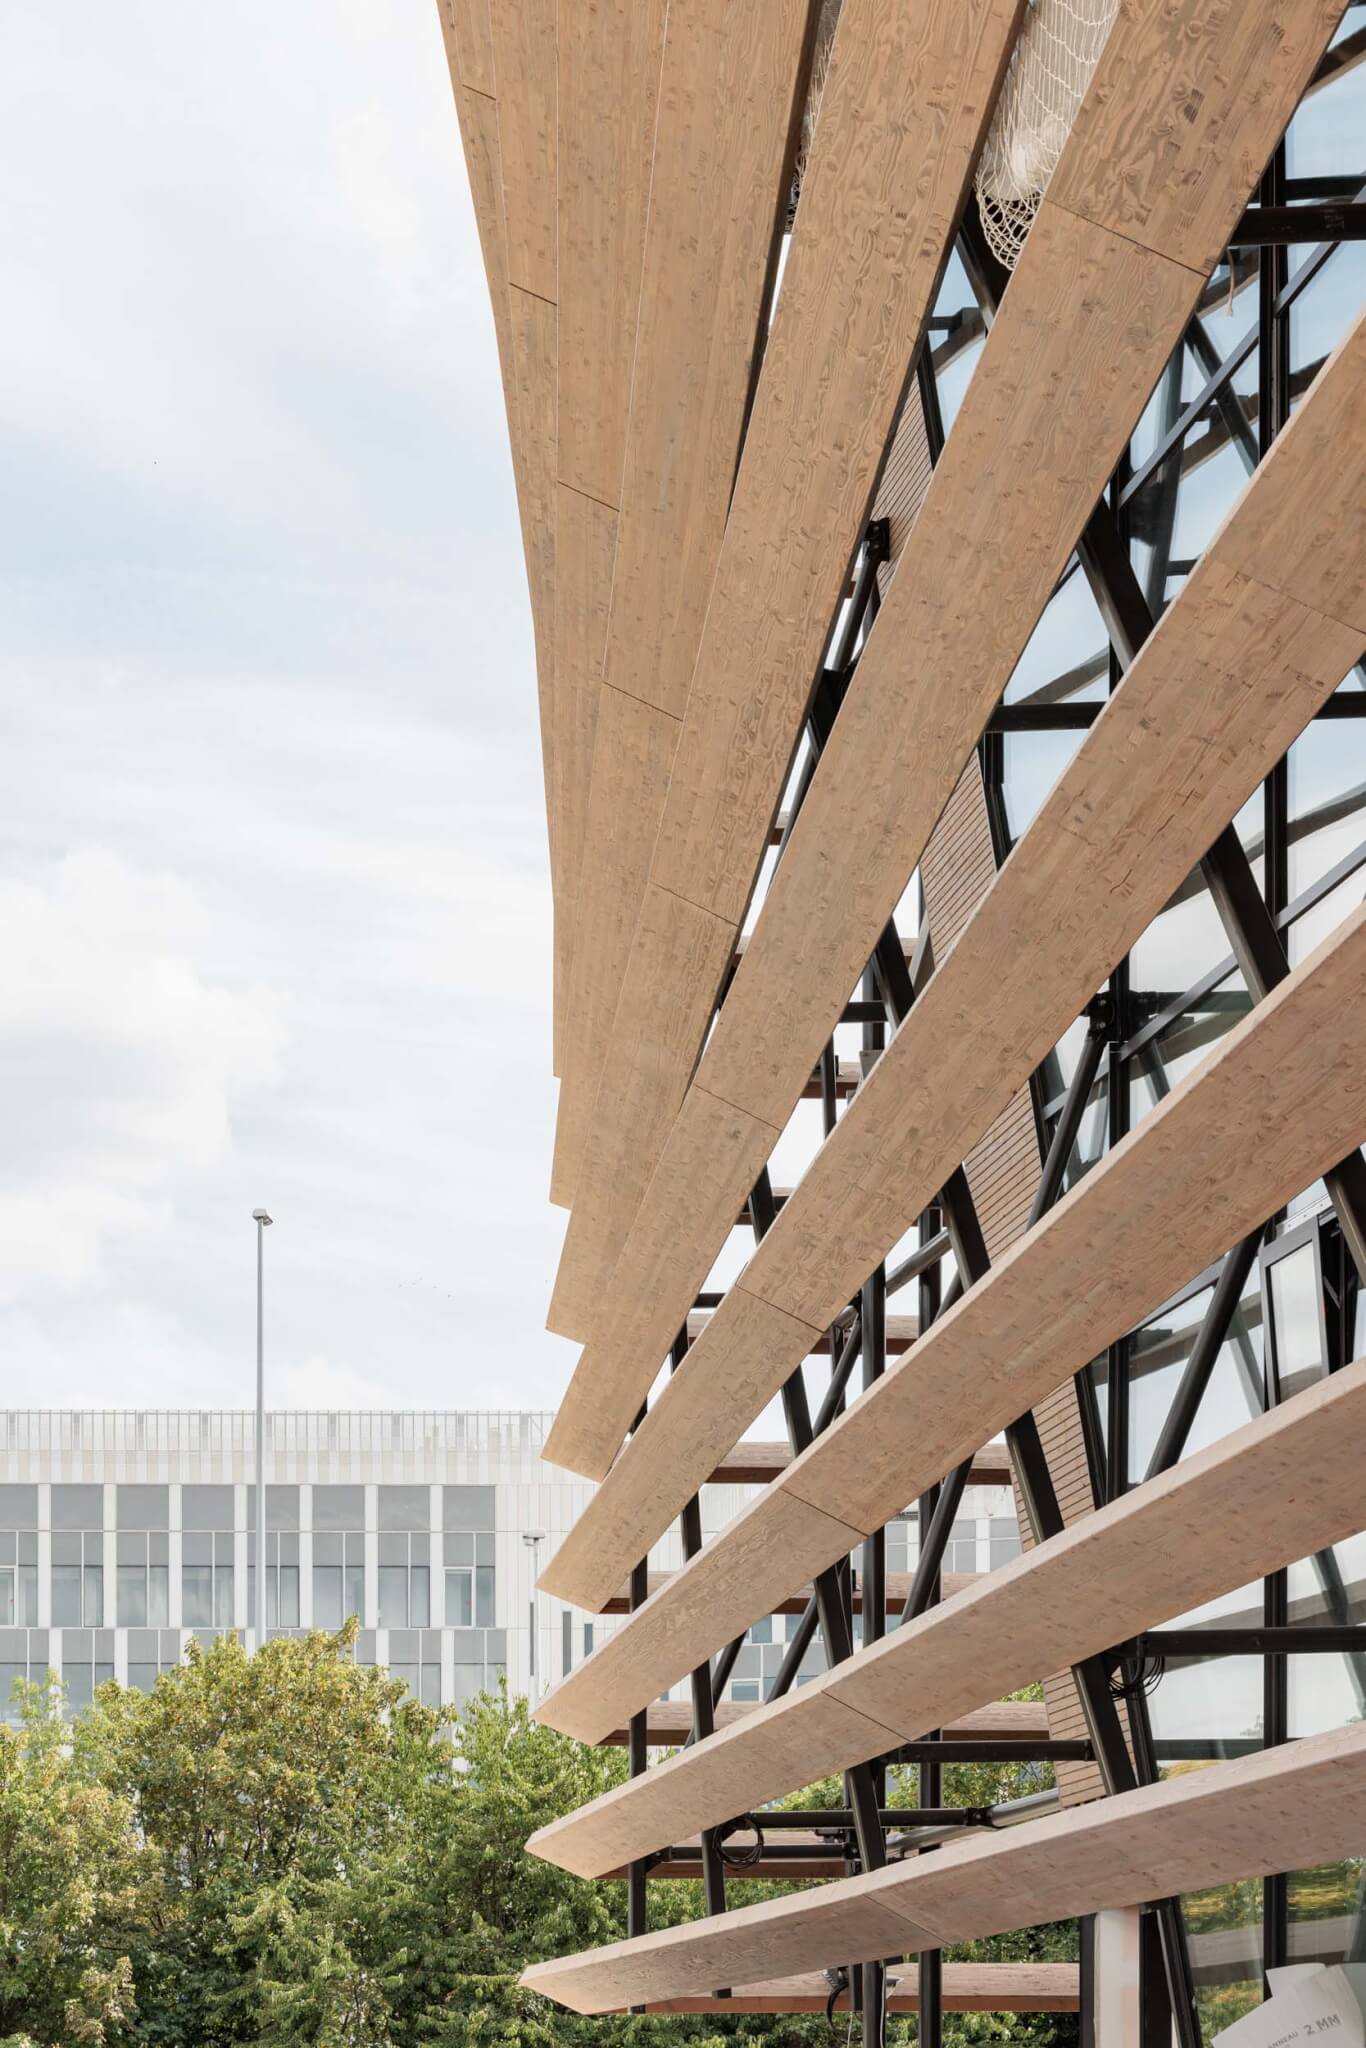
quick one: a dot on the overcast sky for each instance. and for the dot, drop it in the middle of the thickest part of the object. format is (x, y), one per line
(274, 906)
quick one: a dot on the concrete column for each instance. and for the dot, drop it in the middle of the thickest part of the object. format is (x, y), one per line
(1117, 1975)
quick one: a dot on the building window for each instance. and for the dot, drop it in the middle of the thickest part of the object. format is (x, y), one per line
(23, 1655)
(588, 1639)
(470, 1585)
(405, 1557)
(77, 1578)
(87, 1662)
(566, 1643)
(150, 1652)
(282, 1579)
(405, 1579)
(415, 1657)
(18, 1558)
(143, 1565)
(206, 1578)
(1005, 1540)
(338, 1577)
(480, 1662)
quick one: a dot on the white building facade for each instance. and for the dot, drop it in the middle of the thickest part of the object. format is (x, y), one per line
(123, 1533)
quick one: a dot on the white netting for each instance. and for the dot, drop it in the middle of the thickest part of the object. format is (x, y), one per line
(1050, 69)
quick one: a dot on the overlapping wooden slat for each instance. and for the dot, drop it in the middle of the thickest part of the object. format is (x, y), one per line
(1301, 1804)
(904, 106)
(604, 110)
(756, 1461)
(522, 296)
(669, 1722)
(1221, 689)
(966, 1987)
(1156, 1552)
(1086, 1272)
(1088, 320)
(1233, 673)
(728, 87)
(794, 1598)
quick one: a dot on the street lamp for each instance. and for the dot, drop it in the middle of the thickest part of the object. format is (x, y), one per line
(533, 1540)
(262, 1221)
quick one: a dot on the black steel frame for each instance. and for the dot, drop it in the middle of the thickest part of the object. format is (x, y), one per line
(1127, 1032)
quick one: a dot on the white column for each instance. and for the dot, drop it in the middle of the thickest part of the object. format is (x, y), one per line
(1117, 1978)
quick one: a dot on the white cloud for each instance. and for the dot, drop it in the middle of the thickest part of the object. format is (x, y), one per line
(120, 1060)
(318, 1384)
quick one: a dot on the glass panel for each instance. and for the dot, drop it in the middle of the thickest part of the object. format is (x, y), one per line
(1211, 1707)
(132, 1596)
(355, 1591)
(1224, 1926)
(393, 1596)
(94, 1596)
(142, 1507)
(66, 1596)
(337, 1507)
(18, 1507)
(80, 1687)
(206, 1507)
(158, 1596)
(327, 1596)
(78, 1507)
(404, 1507)
(421, 1597)
(483, 1596)
(288, 1598)
(142, 1677)
(1327, 1912)
(222, 1595)
(431, 1685)
(459, 1612)
(196, 1594)
(408, 1674)
(1159, 1354)
(1033, 761)
(1297, 1307)
(467, 1507)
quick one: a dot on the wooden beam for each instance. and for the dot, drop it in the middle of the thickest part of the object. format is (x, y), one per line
(729, 93)
(967, 1987)
(755, 1462)
(905, 104)
(669, 1723)
(1082, 333)
(1287, 1808)
(1265, 1114)
(1235, 670)
(1157, 1552)
(793, 1600)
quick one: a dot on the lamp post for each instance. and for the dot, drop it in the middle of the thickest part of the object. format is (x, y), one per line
(262, 1221)
(533, 1540)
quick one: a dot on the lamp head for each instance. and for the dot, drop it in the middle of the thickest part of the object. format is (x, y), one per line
(260, 1216)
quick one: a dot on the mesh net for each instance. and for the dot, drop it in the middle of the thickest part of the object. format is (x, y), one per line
(1050, 69)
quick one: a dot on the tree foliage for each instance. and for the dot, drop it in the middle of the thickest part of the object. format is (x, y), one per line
(288, 1850)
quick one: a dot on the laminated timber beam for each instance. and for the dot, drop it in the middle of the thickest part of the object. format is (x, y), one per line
(604, 114)
(968, 1987)
(898, 1585)
(903, 111)
(669, 1723)
(1109, 275)
(1158, 1551)
(503, 64)
(730, 88)
(1271, 619)
(1198, 1173)
(1287, 1808)
(756, 1461)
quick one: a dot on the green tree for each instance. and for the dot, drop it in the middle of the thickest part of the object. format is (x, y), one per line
(70, 1874)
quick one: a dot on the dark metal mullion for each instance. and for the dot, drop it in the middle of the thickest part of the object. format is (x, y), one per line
(703, 1708)
(1209, 1341)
